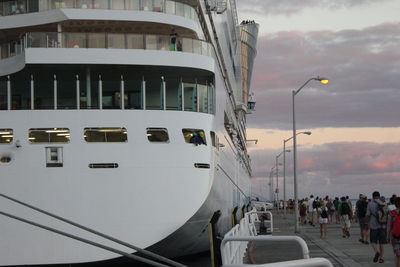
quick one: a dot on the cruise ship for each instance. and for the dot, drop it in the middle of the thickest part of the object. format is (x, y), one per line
(125, 116)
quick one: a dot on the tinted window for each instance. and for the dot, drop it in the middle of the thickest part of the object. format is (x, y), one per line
(157, 135)
(6, 136)
(49, 135)
(194, 136)
(106, 134)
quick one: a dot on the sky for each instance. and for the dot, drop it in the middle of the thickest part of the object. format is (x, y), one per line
(355, 119)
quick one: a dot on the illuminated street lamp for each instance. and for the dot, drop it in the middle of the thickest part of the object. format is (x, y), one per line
(296, 204)
(284, 168)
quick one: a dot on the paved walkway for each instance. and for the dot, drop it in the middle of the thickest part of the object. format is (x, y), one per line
(347, 252)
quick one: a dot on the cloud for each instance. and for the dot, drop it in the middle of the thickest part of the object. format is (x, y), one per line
(363, 67)
(290, 7)
(337, 168)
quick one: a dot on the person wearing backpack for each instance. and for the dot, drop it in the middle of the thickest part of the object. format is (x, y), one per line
(361, 211)
(345, 215)
(393, 227)
(322, 212)
(375, 219)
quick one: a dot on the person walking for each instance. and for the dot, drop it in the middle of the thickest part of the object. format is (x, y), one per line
(322, 212)
(393, 229)
(361, 211)
(375, 220)
(345, 215)
(331, 210)
(337, 214)
(311, 210)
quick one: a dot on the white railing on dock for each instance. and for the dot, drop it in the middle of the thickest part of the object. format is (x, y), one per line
(235, 243)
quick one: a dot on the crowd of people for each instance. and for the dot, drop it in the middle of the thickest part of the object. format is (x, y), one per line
(378, 220)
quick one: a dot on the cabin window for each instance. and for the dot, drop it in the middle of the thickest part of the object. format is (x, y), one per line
(190, 95)
(158, 135)
(49, 135)
(194, 136)
(214, 140)
(3, 92)
(6, 136)
(105, 135)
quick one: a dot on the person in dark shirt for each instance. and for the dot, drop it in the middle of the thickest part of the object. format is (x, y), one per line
(196, 139)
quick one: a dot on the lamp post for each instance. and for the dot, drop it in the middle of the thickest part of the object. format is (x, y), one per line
(277, 172)
(296, 204)
(271, 184)
(284, 169)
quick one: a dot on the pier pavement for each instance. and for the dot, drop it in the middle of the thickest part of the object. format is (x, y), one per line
(346, 252)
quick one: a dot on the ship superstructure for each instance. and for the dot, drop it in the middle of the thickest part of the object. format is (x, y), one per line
(126, 116)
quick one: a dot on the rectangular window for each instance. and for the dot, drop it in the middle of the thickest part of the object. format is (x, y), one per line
(49, 135)
(190, 94)
(6, 136)
(157, 135)
(194, 136)
(158, 5)
(115, 40)
(135, 41)
(170, 7)
(3, 93)
(203, 98)
(105, 135)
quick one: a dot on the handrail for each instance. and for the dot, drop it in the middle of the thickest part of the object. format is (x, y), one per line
(226, 240)
(104, 40)
(270, 221)
(167, 7)
(314, 262)
(145, 252)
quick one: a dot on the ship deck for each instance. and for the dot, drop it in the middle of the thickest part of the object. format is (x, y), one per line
(346, 252)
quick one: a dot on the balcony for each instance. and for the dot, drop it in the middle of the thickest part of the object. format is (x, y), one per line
(17, 7)
(105, 40)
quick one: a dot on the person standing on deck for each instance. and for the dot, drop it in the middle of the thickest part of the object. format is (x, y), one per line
(377, 234)
(345, 215)
(337, 214)
(393, 229)
(322, 212)
(311, 210)
(361, 211)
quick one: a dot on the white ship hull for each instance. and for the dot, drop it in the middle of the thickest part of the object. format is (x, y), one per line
(157, 197)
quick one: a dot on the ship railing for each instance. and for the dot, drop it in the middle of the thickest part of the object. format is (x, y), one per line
(236, 242)
(9, 8)
(105, 40)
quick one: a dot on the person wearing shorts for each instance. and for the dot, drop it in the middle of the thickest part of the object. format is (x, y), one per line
(395, 241)
(323, 222)
(377, 234)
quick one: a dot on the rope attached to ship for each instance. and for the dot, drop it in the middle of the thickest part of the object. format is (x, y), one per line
(138, 258)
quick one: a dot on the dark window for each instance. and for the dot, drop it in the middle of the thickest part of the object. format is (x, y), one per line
(6, 136)
(49, 135)
(157, 135)
(194, 136)
(110, 134)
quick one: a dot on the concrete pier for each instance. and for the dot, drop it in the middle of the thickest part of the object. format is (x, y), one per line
(346, 252)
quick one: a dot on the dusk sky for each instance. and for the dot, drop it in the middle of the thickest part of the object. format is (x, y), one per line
(355, 119)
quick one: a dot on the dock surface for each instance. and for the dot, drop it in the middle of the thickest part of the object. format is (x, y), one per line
(346, 252)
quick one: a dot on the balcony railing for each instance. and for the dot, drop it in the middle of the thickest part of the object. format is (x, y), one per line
(104, 40)
(15, 7)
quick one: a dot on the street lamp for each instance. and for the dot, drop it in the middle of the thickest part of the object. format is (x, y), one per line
(277, 172)
(271, 184)
(284, 169)
(296, 204)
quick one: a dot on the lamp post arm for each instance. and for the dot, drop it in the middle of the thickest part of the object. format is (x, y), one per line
(298, 90)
